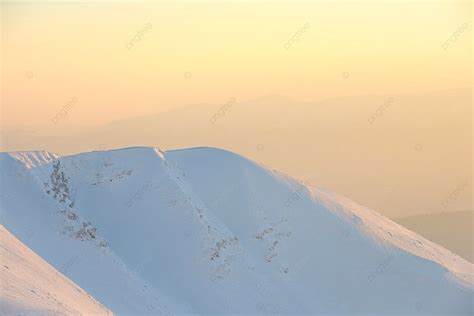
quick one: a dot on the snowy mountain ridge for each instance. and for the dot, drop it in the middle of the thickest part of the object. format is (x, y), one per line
(206, 231)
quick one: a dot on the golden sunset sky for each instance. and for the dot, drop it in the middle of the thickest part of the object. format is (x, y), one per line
(190, 52)
(95, 67)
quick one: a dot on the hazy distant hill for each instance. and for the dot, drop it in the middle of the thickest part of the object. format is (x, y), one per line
(393, 153)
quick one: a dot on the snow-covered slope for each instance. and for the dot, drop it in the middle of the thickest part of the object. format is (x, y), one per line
(206, 231)
(30, 286)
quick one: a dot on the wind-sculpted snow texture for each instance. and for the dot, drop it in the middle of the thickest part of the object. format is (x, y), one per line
(205, 231)
(30, 286)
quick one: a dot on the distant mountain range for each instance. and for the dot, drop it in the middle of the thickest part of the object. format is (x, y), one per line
(391, 152)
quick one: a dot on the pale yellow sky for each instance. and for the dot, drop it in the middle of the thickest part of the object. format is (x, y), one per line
(71, 68)
(195, 52)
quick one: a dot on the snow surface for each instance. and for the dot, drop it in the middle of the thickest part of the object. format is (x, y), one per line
(205, 231)
(30, 286)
